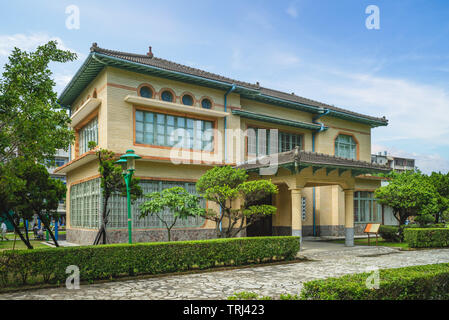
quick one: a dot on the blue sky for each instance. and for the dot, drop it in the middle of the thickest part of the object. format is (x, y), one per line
(318, 49)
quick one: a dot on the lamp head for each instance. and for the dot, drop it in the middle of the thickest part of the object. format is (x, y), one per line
(130, 157)
(123, 163)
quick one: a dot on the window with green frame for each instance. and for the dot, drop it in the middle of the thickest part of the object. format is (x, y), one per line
(86, 199)
(263, 141)
(366, 208)
(88, 133)
(346, 147)
(160, 129)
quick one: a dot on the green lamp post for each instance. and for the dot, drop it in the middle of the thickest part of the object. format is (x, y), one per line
(128, 163)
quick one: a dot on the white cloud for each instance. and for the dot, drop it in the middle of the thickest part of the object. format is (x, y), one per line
(284, 58)
(418, 112)
(27, 42)
(415, 111)
(292, 11)
(61, 81)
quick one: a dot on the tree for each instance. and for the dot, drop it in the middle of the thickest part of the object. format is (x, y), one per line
(225, 186)
(181, 203)
(441, 183)
(32, 123)
(112, 182)
(409, 194)
(28, 190)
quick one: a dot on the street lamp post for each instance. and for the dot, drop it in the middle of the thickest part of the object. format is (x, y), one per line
(128, 163)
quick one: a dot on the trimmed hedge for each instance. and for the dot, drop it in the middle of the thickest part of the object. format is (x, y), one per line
(114, 261)
(389, 233)
(429, 282)
(427, 237)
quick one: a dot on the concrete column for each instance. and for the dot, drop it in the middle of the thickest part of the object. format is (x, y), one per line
(349, 217)
(296, 213)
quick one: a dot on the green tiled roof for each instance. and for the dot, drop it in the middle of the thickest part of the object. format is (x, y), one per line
(148, 64)
(285, 122)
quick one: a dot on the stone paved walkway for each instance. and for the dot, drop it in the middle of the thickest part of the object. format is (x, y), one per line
(328, 260)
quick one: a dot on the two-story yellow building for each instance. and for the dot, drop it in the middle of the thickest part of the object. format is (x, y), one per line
(183, 121)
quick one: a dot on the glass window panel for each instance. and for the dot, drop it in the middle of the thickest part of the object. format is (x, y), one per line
(146, 92)
(206, 104)
(167, 96)
(187, 100)
(163, 133)
(88, 133)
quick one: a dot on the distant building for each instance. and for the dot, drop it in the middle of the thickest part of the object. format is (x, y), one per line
(398, 165)
(61, 158)
(395, 163)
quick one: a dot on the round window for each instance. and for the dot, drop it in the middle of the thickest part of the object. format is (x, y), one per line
(187, 100)
(206, 104)
(146, 92)
(167, 96)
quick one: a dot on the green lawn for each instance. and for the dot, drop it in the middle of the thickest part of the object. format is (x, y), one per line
(380, 241)
(7, 245)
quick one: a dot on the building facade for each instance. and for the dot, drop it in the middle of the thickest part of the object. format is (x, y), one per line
(395, 163)
(184, 121)
(61, 158)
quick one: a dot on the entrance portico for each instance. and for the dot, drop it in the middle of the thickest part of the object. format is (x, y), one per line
(296, 174)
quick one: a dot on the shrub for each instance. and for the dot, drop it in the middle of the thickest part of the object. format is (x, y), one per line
(389, 233)
(113, 261)
(244, 295)
(429, 282)
(427, 237)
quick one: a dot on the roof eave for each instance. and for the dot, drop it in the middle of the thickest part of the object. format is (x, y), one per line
(97, 61)
(266, 118)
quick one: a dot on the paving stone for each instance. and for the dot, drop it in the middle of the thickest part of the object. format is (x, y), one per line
(268, 280)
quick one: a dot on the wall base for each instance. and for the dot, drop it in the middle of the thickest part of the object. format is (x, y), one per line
(349, 237)
(87, 237)
(334, 231)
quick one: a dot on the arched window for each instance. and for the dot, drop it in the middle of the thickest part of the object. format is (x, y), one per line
(146, 92)
(206, 104)
(167, 96)
(187, 100)
(346, 147)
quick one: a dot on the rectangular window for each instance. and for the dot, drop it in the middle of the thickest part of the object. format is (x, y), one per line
(88, 133)
(262, 141)
(163, 130)
(86, 204)
(366, 208)
(345, 147)
(288, 141)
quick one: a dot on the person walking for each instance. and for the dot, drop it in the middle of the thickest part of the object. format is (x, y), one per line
(4, 229)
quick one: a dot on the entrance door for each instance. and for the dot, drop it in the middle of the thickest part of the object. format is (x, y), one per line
(264, 226)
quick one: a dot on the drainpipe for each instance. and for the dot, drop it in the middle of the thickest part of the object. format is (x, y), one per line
(326, 112)
(225, 122)
(225, 135)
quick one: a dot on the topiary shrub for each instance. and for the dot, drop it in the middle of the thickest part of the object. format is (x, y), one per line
(429, 282)
(39, 266)
(389, 233)
(427, 237)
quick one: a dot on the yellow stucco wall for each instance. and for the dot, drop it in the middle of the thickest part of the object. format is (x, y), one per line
(325, 141)
(116, 133)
